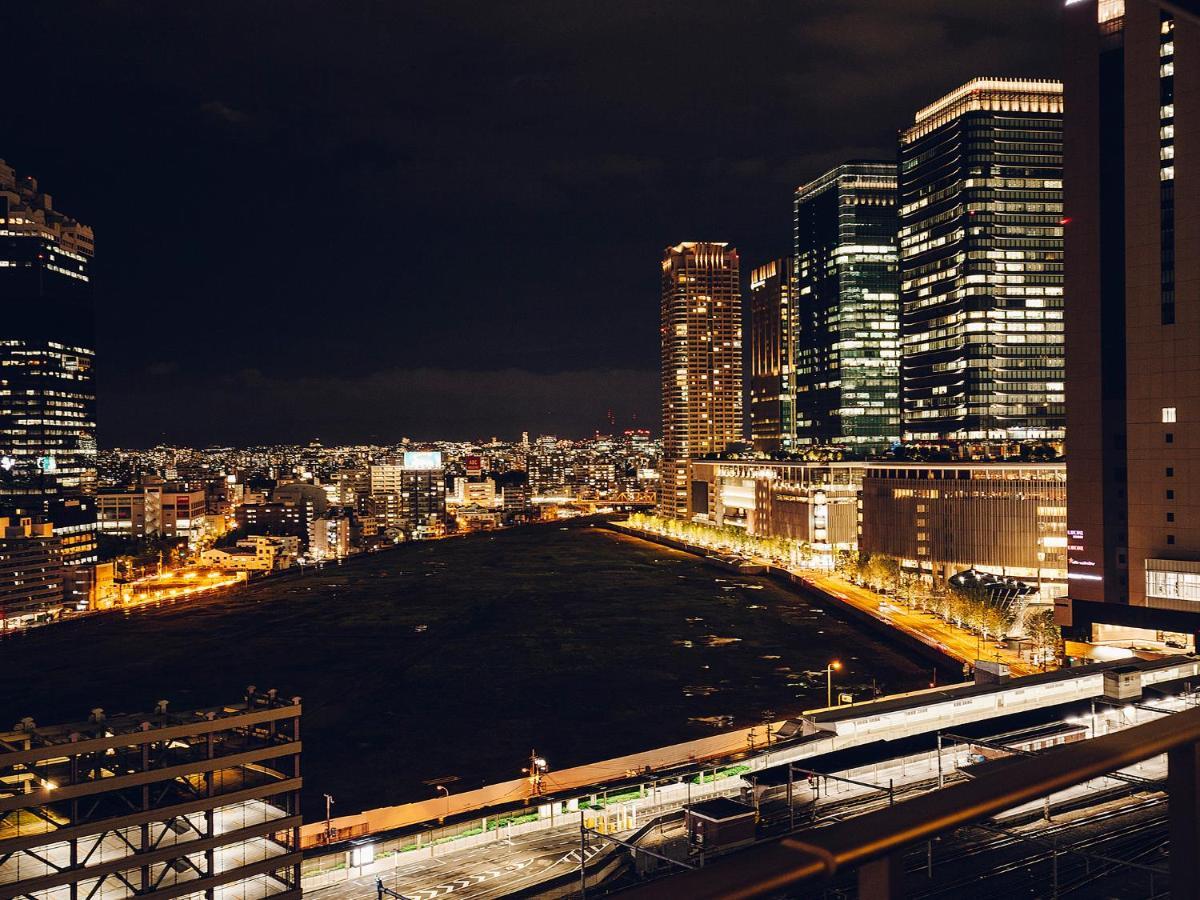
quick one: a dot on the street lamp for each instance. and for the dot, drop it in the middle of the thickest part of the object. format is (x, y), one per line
(446, 791)
(537, 769)
(328, 823)
(829, 669)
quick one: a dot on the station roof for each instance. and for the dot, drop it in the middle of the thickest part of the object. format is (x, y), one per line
(720, 809)
(971, 689)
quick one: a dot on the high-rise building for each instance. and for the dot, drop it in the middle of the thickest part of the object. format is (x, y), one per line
(981, 260)
(47, 355)
(847, 308)
(772, 390)
(410, 495)
(1133, 320)
(701, 360)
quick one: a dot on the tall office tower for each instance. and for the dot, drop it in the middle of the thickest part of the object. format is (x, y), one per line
(47, 393)
(701, 361)
(47, 387)
(1133, 320)
(772, 391)
(981, 257)
(847, 299)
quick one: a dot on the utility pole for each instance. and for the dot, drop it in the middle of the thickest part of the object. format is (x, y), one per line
(791, 808)
(537, 769)
(582, 857)
(328, 825)
(941, 779)
(446, 791)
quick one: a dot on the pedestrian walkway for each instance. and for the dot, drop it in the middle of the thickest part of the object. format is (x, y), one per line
(959, 643)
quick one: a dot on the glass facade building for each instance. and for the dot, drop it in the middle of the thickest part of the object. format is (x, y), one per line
(47, 356)
(772, 369)
(981, 252)
(846, 308)
(701, 361)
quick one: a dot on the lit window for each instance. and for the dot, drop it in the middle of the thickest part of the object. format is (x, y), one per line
(1168, 414)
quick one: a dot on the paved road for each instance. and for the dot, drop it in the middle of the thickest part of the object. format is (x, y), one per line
(492, 870)
(957, 642)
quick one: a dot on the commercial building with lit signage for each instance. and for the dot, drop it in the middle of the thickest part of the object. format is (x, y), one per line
(772, 333)
(202, 803)
(846, 348)
(981, 255)
(1132, 81)
(701, 361)
(940, 519)
(813, 503)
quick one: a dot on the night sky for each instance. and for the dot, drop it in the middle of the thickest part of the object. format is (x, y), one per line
(361, 220)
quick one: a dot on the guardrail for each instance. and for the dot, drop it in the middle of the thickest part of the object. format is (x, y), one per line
(874, 843)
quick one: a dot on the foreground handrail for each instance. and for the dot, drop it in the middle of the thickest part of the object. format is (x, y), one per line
(824, 852)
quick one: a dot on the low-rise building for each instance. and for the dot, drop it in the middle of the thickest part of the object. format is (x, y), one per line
(280, 518)
(151, 511)
(257, 553)
(478, 518)
(815, 503)
(32, 574)
(940, 519)
(329, 538)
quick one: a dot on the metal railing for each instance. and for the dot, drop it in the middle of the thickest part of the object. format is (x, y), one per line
(874, 843)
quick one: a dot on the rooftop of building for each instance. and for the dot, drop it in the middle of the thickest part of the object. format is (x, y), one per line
(969, 689)
(876, 174)
(720, 809)
(27, 734)
(31, 211)
(1028, 95)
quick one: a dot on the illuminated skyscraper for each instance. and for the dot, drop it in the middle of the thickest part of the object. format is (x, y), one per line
(701, 360)
(982, 265)
(1133, 320)
(846, 308)
(47, 383)
(47, 392)
(772, 330)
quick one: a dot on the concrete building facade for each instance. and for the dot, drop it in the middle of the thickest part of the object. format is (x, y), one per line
(940, 519)
(1132, 81)
(701, 361)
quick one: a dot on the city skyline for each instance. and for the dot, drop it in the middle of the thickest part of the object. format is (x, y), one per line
(866, 561)
(276, 165)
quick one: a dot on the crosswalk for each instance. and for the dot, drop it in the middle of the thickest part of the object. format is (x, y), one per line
(464, 884)
(573, 856)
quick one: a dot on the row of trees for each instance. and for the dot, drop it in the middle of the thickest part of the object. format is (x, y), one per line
(974, 609)
(725, 538)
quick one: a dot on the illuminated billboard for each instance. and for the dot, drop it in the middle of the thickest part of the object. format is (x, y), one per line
(422, 459)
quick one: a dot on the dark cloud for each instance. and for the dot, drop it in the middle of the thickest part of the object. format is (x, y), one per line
(367, 185)
(423, 403)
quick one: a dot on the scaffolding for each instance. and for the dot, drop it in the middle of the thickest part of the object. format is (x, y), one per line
(198, 804)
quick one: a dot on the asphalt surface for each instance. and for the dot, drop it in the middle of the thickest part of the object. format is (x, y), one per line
(492, 870)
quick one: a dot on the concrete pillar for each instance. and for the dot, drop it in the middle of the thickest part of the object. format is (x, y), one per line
(882, 879)
(1183, 815)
